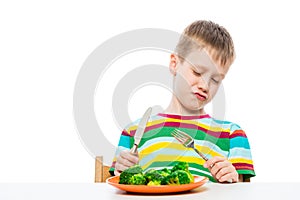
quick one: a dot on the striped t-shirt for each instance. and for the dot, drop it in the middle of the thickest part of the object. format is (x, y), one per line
(159, 149)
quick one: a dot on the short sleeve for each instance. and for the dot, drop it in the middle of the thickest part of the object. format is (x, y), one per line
(240, 152)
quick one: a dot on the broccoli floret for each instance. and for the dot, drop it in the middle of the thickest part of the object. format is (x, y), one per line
(135, 169)
(164, 172)
(185, 167)
(154, 183)
(181, 166)
(153, 177)
(179, 174)
(177, 178)
(171, 179)
(126, 175)
(184, 177)
(137, 179)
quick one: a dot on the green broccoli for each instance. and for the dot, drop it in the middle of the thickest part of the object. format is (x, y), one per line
(125, 176)
(185, 167)
(184, 177)
(180, 166)
(177, 178)
(137, 179)
(179, 174)
(171, 179)
(153, 177)
(164, 172)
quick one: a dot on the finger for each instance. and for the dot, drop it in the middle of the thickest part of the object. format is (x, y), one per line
(133, 158)
(120, 167)
(217, 167)
(229, 178)
(223, 171)
(124, 161)
(211, 162)
(123, 164)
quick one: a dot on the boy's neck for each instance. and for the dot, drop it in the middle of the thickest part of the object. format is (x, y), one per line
(176, 108)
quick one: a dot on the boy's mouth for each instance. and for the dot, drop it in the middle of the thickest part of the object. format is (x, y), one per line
(201, 97)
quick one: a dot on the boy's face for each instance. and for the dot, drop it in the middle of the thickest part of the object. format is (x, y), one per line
(196, 81)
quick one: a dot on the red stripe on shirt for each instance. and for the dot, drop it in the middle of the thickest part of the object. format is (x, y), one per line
(243, 166)
(221, 134)
(184, 117)
(238, 133)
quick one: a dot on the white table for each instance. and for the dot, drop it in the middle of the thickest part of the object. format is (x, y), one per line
(103, 191)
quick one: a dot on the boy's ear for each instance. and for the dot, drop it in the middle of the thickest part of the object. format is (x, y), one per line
(173, 64)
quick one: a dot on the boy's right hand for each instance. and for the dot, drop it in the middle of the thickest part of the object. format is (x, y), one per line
(124, 161)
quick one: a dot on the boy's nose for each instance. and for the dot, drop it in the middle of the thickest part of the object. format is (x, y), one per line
(203, 84)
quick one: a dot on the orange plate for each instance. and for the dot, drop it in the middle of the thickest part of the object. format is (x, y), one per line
(198, 181)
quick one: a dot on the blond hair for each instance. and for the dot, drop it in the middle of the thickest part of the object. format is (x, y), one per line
(208, 35)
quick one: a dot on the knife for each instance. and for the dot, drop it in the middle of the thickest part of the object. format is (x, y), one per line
(140, 130)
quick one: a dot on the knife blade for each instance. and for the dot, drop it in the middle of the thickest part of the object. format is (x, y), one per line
(140, 130)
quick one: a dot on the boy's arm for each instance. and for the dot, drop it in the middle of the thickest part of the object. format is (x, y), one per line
(124, 144)
(241, 178)
(240, 154)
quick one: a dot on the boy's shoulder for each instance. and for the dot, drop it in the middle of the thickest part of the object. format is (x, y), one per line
(225, 124)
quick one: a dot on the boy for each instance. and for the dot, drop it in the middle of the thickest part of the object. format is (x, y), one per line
(202, 58)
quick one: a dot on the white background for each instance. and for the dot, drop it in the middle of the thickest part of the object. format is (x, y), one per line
(44, 44)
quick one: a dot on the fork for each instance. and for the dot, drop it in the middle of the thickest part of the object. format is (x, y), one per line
(187, 141)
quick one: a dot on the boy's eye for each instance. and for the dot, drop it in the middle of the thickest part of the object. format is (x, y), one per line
(215, 80)
(196, 73)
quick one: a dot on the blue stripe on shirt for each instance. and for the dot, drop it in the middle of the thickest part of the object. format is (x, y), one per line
(124, 141)
(239, 142)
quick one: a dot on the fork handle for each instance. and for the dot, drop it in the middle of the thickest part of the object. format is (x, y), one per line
(201, 154)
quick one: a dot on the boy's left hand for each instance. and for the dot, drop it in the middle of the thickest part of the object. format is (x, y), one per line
(221, 169)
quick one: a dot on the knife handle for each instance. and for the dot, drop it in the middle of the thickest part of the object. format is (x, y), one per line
(133, 150)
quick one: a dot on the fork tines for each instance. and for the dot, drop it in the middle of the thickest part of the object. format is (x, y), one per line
(182, 137)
